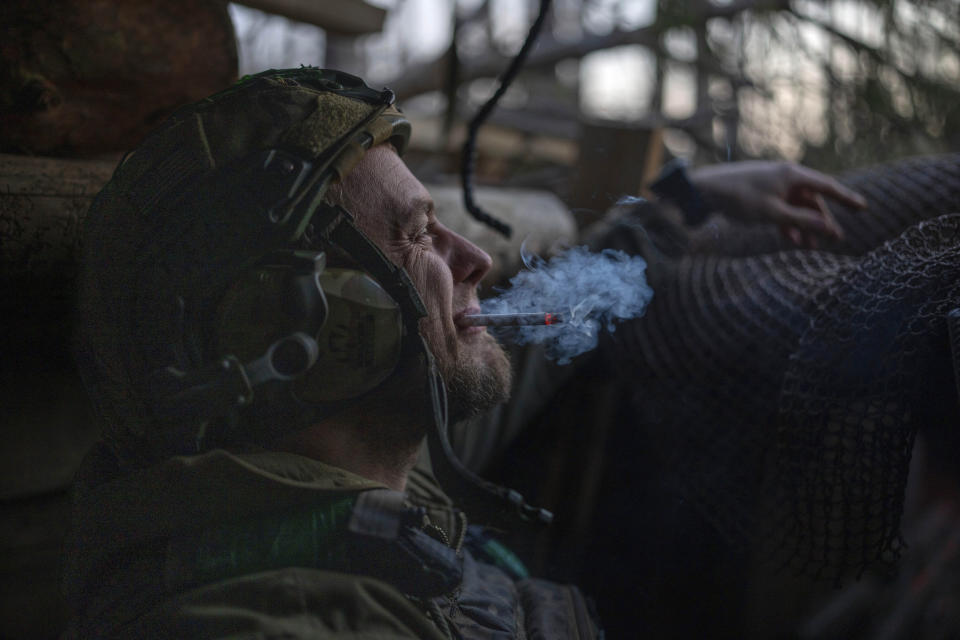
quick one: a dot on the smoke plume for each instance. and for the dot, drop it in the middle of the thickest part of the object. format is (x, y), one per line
(593, 291)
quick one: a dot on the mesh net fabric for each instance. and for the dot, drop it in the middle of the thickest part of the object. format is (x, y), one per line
(858, 383)
(784, 388)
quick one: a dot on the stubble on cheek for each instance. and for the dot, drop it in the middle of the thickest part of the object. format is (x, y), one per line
(479, 379)
(475, 368)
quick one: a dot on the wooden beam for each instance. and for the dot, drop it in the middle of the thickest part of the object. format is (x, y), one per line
(345, 17)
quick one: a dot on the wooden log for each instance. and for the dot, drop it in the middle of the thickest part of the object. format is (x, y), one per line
(46, 422)
(83, 77)
(344, 17)
(42, 203)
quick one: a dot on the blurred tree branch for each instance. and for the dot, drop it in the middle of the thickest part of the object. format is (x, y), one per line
(550, 51)
(832, 84)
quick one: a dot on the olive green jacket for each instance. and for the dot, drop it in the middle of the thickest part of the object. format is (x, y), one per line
(135, 563)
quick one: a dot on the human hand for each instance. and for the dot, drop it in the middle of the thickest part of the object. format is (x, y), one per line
(788, 194)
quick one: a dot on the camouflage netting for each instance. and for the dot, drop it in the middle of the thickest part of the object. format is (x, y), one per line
(784, 388)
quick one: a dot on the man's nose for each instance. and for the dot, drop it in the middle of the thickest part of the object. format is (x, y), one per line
(468, 262)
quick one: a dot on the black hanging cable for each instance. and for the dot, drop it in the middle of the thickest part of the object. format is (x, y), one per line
(451, 81)
(469, 147)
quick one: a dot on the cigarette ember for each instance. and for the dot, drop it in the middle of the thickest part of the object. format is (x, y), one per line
(512, 319)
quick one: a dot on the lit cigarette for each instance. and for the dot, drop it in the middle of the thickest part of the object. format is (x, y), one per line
(512, 319)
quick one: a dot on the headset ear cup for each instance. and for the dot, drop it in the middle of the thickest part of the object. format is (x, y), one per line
(357, 325)
(266, 304)
(359, 344)
(306, 302)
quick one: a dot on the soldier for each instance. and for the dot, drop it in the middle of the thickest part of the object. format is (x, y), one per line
(270, 324)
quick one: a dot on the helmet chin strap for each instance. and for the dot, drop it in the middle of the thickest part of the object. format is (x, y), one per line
(490, 503)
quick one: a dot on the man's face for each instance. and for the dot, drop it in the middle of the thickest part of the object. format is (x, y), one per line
(395, 210)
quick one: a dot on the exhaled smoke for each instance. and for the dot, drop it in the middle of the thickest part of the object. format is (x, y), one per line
(592, 291)
(633, 200)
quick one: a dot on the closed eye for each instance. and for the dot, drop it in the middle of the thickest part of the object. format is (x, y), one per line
(425, 234)
(419, 223)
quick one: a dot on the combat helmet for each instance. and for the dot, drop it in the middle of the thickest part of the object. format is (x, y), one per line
(209, 312)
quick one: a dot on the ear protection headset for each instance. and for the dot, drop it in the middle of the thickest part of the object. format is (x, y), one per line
(349, 321)
(289, 338)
